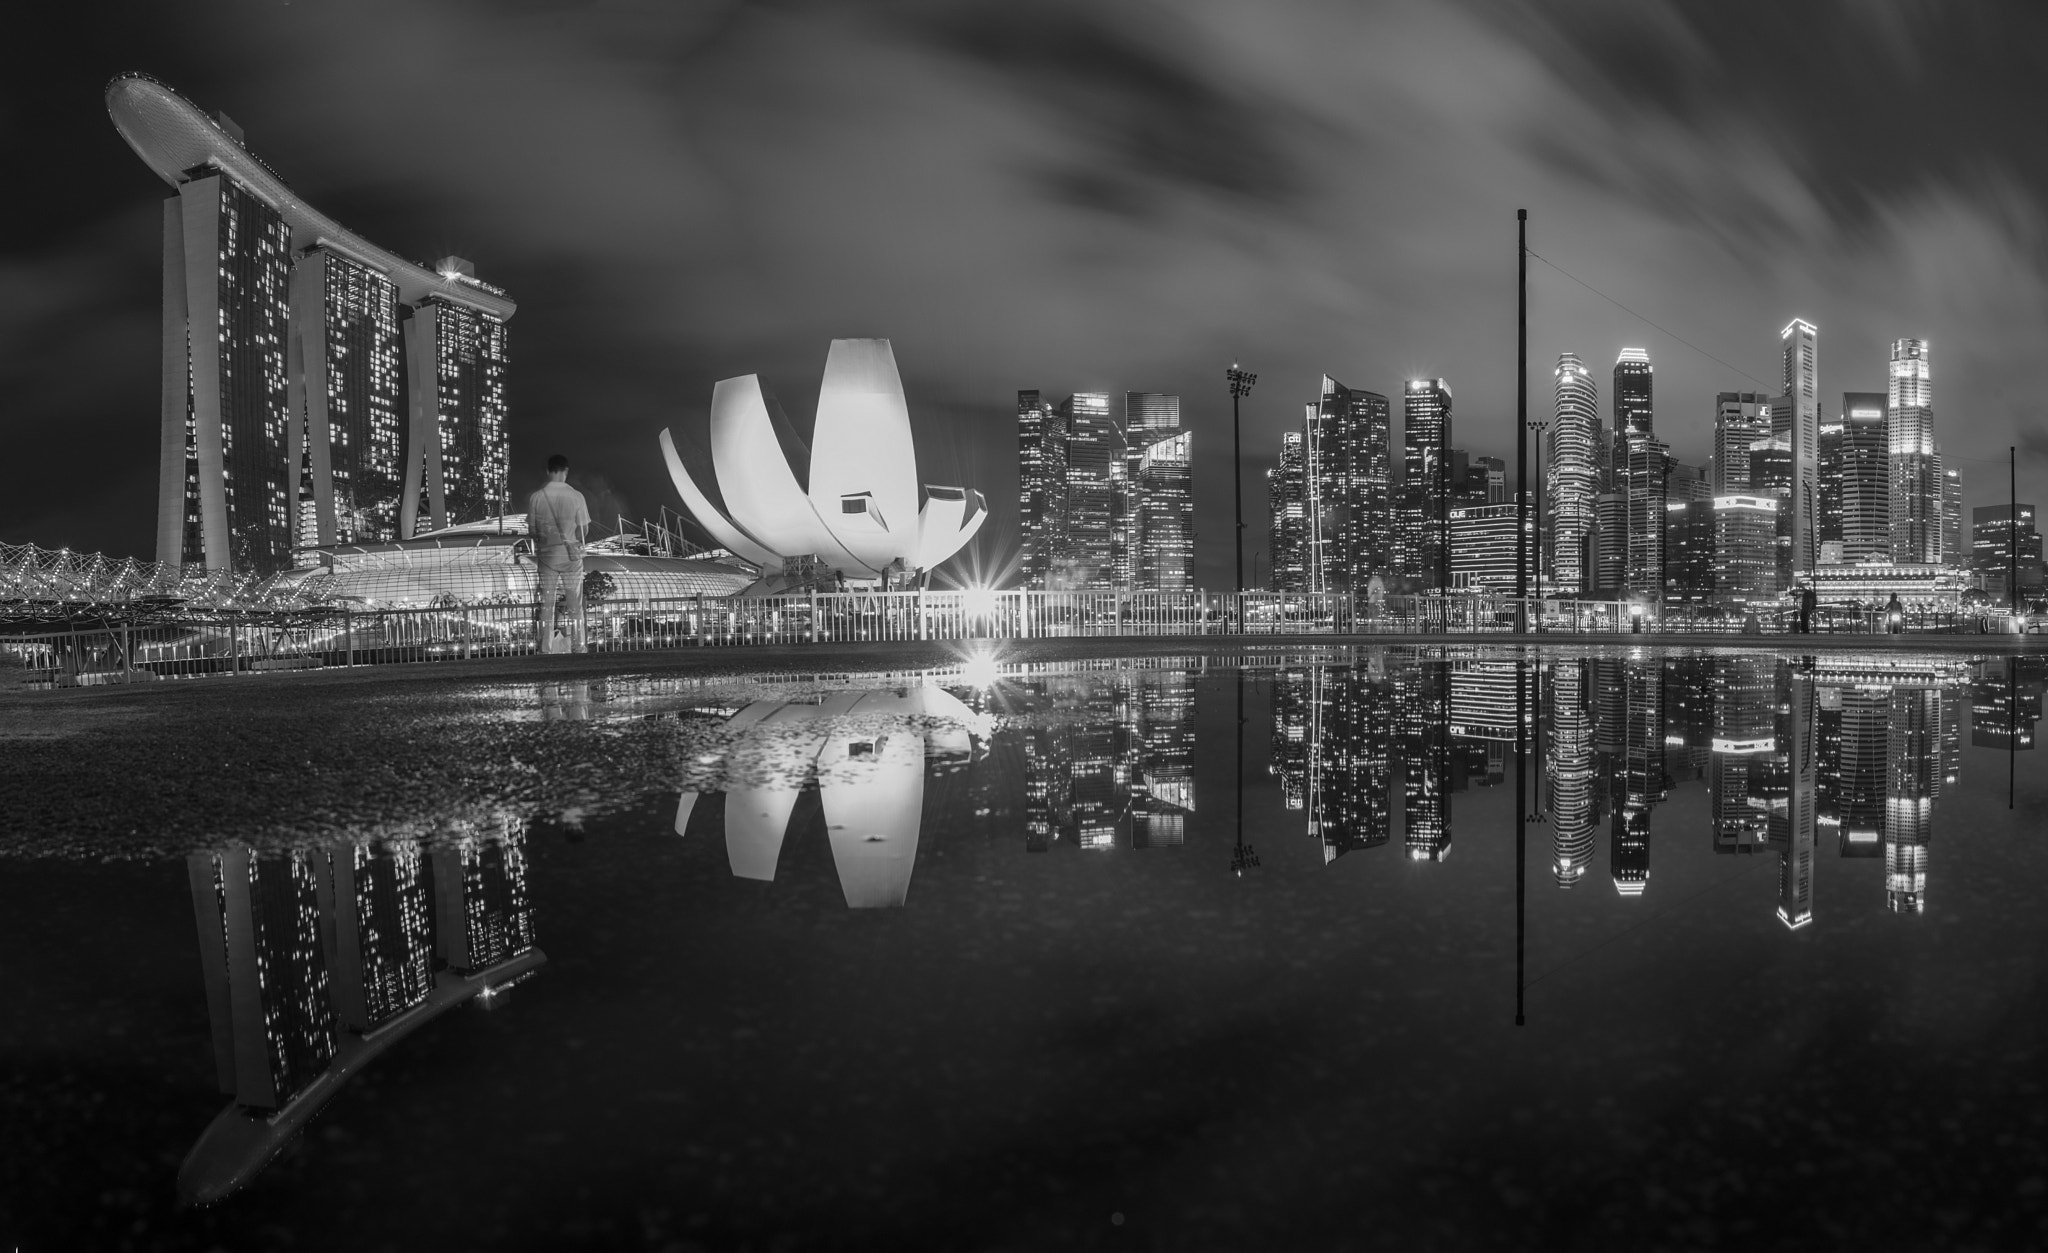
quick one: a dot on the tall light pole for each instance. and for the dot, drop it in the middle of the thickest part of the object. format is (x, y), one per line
(1240, 386)
(1521, 419)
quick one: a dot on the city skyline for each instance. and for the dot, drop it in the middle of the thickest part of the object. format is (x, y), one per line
(1223, 222)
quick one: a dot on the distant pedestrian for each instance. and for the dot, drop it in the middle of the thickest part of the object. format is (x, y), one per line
(558, 520)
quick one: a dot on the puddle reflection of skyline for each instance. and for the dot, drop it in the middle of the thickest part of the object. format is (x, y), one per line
(1794, 754)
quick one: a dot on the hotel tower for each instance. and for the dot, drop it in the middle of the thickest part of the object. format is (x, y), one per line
(316, 388)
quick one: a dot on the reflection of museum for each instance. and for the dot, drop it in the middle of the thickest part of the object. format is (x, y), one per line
(1797, 758)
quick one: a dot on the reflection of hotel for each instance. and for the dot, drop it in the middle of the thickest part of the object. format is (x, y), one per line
(484, 912)
(297, 946)
(268, 993)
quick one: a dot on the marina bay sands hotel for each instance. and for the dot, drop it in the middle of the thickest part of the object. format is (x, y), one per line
(316, 388)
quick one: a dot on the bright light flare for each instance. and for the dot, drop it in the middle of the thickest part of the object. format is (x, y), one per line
(979, 601)
(981, 670)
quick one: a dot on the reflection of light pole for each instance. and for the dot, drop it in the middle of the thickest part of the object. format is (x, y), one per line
(1242, 858)
(1240, 386)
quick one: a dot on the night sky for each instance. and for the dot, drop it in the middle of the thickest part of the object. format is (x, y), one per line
(1066, 197)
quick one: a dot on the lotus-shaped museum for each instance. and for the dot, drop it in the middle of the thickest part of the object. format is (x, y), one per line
(856, 508)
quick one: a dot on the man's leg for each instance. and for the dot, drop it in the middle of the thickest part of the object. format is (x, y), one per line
(579, 630)
(549, 586)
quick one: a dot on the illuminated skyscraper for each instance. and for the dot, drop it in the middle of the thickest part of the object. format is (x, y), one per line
(1610, 542)
(1649, 464)
(281, 368)
(1740, 420)
(1160, 513)
(455, 352)
(1855, 466)
(1041, 488)
(1952, 549)
(1746, 550)
(1994, 535)
(1483, 547)
(1095, 467)
(1426, 483)
(1689, 551)
(1916, 483)
(1574, 479)
(346, 442)
(1287, 509)
(1800, 341)
(1350, 458)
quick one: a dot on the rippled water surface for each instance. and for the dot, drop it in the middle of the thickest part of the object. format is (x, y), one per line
(1423, 948)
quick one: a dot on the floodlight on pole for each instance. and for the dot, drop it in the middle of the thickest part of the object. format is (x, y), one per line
(1240, 386)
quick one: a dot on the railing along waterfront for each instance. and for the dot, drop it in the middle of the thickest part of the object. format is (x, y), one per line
(120, 643)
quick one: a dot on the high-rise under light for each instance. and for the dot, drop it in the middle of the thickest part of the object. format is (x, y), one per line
(1574, 478)
(283, 372)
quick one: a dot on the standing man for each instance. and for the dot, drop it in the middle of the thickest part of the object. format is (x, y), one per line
(558, 519)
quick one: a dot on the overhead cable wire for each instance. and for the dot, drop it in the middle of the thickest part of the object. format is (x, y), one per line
(1646, 321)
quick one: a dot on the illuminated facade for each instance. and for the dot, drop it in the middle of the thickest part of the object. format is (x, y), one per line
(457, 355)
(1854, 472)
(1041, 487)
(860, 511)
(1915, 471)
(1573, 479)
(1483, 547)
(1349, 449)
(1287, 514)
(1642, 465)
(1157, 511)
(347, 403)
(2001, 544)
(1746, 550)
(1740, 420)
(281, 367)
(1800, 416)
(1426, 482)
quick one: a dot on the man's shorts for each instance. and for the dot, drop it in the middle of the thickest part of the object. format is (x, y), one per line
(560, 573)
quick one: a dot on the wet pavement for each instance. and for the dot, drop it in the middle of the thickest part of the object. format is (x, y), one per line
(905, 948)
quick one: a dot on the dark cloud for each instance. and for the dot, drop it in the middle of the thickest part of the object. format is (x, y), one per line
(1064, 196)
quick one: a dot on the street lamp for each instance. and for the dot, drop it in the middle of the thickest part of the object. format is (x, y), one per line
(1240, 386)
